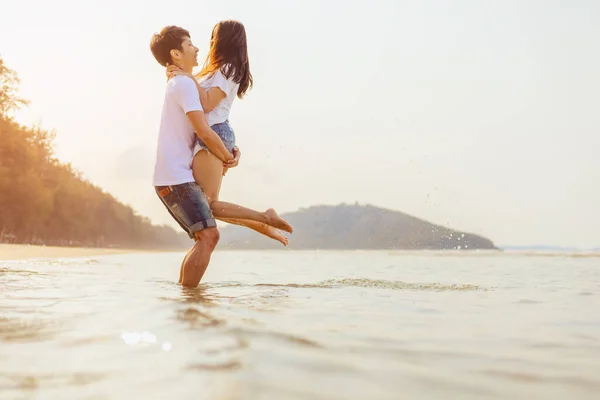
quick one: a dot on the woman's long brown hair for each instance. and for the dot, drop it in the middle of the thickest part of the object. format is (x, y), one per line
(228, 45)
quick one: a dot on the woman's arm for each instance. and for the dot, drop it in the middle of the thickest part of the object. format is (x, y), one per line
(208, 98)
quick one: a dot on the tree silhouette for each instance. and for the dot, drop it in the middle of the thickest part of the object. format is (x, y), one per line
(44, 201)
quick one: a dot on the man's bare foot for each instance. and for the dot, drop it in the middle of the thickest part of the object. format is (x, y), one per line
(273, 219)
(274, 233)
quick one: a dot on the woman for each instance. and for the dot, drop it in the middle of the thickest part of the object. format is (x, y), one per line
(225, 76)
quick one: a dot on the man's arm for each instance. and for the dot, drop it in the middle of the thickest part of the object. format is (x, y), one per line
(208, 136)
(186, 95)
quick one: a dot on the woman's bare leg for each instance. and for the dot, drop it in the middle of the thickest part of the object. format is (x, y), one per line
(259, 227)
(208, 173)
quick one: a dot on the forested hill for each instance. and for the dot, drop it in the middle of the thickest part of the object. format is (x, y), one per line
(44, 201)
(353, 227)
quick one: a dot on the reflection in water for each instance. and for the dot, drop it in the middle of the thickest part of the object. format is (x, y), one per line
(197, 295)
(275, 336)
(552, 379)
(232, 365)
(5, 272)
(26, 382)
(197, 319)
(27, 330)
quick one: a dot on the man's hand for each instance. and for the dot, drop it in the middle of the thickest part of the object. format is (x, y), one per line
(234, 162)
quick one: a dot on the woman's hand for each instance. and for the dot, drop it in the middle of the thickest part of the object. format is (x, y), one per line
(174, 70)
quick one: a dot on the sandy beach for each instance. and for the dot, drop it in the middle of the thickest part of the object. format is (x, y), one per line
(24, 251)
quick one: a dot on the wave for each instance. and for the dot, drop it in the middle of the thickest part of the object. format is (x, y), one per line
(554, 254)
(360, 282)
(399, 285)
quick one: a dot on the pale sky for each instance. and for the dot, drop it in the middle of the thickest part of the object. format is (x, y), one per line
(480, 116)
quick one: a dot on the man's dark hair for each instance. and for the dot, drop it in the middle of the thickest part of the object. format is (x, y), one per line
(169, 38)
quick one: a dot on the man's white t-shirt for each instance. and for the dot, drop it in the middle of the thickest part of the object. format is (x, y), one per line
(176, 135)
(221, 112)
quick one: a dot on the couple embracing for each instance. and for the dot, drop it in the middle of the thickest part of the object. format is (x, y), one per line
(196, 144)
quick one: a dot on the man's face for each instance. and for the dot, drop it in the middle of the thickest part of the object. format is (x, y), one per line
(188, 57)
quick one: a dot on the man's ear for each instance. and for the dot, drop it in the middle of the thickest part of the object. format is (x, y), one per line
(175, 54)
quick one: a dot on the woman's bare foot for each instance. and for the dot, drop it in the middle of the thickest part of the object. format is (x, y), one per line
(273, 219)
(274, 233)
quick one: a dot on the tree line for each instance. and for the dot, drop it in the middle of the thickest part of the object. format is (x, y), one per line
(45, 201)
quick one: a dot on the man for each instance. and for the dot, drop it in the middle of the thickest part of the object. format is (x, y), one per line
(183, 118)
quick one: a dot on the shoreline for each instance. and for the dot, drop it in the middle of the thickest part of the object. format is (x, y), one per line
(15, 252)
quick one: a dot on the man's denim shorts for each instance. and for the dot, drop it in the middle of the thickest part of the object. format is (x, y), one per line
(188, 205)
(225, 132)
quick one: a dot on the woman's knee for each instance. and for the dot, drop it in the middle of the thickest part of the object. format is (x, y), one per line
(211, 198)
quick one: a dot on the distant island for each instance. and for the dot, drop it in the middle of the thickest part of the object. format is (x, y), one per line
(356, 227)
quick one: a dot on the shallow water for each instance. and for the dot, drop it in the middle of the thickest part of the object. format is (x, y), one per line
(302, 325)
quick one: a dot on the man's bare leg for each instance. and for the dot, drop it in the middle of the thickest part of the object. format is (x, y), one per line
(259, 227)
(183, 263)
(197, 259)
(181, 268)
